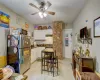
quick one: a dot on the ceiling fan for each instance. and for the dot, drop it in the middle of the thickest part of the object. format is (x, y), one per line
(43, 7)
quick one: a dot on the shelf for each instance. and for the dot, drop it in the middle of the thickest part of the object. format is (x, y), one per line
(39, 39)
(49, 35)
(86, 40)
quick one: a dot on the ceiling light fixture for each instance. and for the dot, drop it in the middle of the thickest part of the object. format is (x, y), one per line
(42, 15)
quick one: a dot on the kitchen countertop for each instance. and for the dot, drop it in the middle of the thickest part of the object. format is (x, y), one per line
(42, 45)
(48, 50)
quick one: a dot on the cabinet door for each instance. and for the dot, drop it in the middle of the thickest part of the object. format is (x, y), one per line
(39, 49)
(49, 31)
(33, 55)
(39, 35)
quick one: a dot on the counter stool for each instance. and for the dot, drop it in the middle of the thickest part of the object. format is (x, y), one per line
(49, 62)
(44, 58)
(52, 65)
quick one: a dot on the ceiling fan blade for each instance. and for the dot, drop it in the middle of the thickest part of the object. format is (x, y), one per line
(31, 4)
(47, 5)
(39, 1)
(35, 13)
(50, 12)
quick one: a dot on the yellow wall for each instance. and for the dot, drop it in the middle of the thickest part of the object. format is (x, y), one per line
(3, 61)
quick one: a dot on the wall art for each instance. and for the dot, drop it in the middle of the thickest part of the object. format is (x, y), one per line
(97, 27)
(4, 20)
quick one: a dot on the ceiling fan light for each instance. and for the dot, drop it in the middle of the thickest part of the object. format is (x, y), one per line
(46, 7)
(44, 14)
(41, 14)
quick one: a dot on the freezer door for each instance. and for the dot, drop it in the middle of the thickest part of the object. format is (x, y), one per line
(24, 41)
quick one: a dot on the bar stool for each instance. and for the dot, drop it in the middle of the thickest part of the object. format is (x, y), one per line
(49, 62)
(53, 64)
(44, 58)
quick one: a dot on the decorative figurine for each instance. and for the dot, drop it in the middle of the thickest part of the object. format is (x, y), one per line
(87, 53)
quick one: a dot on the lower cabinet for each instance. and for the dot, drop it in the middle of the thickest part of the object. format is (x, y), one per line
(36, 53)
(33, 55)
(39, 50)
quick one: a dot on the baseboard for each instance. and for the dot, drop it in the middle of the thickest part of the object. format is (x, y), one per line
(33, 62)
(26, 71)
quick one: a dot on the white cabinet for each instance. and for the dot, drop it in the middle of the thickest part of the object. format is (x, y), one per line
(40, 34)
(49, 31)
(36, 53)
(39, 49)
(33, 54)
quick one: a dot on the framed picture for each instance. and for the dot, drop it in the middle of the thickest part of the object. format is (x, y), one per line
(97, 27)
(66, 40)
(4, 20)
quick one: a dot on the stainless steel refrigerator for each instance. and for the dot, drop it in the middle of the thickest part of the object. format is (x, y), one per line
(19, 53)
(25, 48)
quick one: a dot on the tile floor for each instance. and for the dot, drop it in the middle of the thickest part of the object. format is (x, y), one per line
(65, 72)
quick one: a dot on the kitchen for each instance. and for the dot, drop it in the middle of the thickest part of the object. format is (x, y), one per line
(50, 39)
(42, 38)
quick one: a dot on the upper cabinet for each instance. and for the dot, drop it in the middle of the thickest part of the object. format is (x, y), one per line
(41, 34)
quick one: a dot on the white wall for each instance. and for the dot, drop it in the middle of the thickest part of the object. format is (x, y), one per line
(90, 12)
(68, 26)
(13, 16)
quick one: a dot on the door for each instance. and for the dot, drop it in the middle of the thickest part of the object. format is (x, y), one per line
(26, 42)
(26, 54)
(12, 52)
(67, 43)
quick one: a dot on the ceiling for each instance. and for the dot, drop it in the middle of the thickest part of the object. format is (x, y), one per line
(66, 10)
